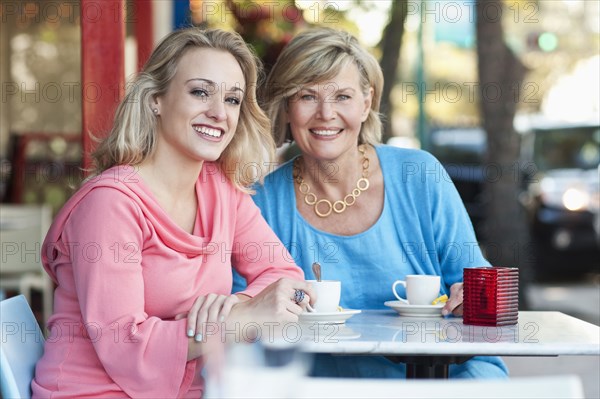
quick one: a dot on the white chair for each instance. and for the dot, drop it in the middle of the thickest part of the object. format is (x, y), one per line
(22, 232)
(21, 347)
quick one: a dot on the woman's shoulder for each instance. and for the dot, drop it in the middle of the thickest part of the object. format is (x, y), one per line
(111, 192)
(399, 155)
(276, 178)
(119, 183)
(113, 188)
(411, 166)
(117, 189)
(274, 191)
(116, 176)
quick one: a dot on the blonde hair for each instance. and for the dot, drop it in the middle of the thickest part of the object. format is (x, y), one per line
(314, 56)
(133, 135)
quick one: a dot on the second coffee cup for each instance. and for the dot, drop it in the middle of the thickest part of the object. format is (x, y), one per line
(328, 295)
(420, 289)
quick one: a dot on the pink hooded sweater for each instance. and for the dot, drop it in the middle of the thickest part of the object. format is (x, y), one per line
(124, 269)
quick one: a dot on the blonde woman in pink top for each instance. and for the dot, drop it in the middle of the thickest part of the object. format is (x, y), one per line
(142, 253)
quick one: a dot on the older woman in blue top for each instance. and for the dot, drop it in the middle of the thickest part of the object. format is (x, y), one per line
(368, 213)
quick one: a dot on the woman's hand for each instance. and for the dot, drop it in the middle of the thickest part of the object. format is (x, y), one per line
(454, 303)
(275, 303)
(270, 310)
(212, 308)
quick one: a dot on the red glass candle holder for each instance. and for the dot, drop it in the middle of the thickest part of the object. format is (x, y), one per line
(491, 296)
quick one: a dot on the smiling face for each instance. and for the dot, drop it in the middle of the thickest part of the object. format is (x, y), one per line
(326, 118)
(198, 114)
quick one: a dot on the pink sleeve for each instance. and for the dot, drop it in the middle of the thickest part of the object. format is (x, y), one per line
(260, 256)
(143, 355)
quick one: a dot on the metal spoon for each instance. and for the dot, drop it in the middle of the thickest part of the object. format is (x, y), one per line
(316, 268)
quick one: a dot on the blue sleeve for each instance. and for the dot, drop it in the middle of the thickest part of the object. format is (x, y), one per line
(239, 282)
(440, 226)
(457, 244)
(480, 367)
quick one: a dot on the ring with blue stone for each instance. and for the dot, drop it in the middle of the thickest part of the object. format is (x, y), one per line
(298, 296)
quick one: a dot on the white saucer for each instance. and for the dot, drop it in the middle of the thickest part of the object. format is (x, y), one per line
(415, 310)
(327, 317)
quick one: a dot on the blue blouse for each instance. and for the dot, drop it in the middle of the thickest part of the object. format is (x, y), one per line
(423, 229)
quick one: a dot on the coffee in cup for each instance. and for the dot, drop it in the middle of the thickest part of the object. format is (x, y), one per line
(328, 295)
(420, 289)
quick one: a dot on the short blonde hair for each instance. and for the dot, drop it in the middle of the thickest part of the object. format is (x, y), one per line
(133, 135)
(314, 56)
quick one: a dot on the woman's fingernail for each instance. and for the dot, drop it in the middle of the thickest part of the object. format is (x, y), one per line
(198, 337)
(222, 318)
(190, 333)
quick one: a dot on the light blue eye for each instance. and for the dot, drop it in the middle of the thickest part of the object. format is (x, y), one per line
(199, 93)
(308, 97)
(233, 101)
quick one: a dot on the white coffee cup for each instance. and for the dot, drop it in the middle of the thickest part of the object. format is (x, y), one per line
(328, 295)
(420, 289)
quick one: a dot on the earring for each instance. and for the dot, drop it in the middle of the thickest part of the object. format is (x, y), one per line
(155, 110)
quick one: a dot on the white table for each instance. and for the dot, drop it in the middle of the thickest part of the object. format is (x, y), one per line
(429, 345)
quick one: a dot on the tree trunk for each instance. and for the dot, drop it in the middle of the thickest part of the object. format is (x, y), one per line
(391, 43)
(505, 234)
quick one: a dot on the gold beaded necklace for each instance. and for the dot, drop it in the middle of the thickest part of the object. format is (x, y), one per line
(338, 206)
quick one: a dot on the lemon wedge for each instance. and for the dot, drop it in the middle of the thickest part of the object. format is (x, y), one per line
(441, 299)
(340, 309)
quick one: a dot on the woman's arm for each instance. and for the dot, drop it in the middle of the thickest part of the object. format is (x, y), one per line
(261, 257)
(142, 354)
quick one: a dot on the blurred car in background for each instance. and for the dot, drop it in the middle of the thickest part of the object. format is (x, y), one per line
(559, 186)
(562, 195)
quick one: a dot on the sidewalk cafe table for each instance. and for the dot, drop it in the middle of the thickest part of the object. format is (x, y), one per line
(429, 345)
